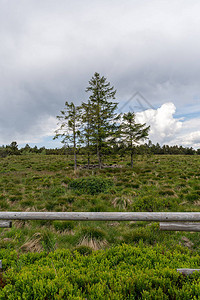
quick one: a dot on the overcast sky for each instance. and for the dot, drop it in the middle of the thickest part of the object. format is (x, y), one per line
(50, 49)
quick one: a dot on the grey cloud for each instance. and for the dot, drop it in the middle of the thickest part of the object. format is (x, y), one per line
(49, 50)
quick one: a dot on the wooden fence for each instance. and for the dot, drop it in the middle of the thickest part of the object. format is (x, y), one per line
(104, 216)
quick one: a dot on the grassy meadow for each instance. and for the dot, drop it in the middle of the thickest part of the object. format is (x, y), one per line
(48, 183)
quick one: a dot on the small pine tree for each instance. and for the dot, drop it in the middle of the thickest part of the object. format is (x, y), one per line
(69, 127)
(132, 132)
(86, 117)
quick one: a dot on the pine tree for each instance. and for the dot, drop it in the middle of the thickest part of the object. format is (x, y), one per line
(104, 117)
(69, 127)
(132, 132)
(86, 117)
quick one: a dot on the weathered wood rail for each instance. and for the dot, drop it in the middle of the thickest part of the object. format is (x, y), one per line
(194, 227)
(104, 216)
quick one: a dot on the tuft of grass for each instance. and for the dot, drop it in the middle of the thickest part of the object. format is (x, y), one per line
(94, 233)
(33, 244)
(122, 202)
(191, 197)
(84, 250)
(167, 192)
(63, 225)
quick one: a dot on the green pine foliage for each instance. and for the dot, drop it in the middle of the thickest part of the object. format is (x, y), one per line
(69, 127)
(131, 132)
(103, 122)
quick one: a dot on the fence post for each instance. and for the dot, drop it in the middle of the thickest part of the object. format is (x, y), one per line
(5, 224)
(187, 271)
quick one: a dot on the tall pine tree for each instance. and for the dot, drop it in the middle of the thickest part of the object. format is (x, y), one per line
(104, 117)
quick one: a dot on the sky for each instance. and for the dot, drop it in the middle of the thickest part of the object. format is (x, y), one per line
(148, 50)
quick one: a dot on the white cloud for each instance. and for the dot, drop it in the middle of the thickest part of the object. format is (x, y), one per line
(163, 126)
(166, 129)
(189, 135)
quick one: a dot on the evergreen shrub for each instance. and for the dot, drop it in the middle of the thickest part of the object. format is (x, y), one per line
(90, 185)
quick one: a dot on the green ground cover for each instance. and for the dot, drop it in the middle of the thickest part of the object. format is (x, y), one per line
(122, 272)
(48, 183)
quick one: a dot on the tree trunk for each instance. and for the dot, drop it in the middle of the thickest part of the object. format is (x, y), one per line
(88, 159)
(131, 152)
(88, 152)
(131, 159)
(75, 160)
(99, 157)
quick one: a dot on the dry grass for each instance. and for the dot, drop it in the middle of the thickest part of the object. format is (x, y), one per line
(33, 244)
(122, 202)
(93, 243)
(187, 242)
(19, 224)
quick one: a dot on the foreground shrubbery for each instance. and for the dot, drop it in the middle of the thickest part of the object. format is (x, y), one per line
(123, 272)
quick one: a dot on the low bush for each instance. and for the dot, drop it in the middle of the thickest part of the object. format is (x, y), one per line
(67, 180)
(123, 272)
(84, 250)
(92, 185)
(191, 197)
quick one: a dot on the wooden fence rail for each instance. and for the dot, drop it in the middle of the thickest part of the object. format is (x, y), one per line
(104, 216)
(194, 227)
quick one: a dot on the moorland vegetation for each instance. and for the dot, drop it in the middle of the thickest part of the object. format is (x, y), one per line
(36, 255)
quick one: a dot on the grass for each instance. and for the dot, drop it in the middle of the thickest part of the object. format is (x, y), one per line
(48, 183)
